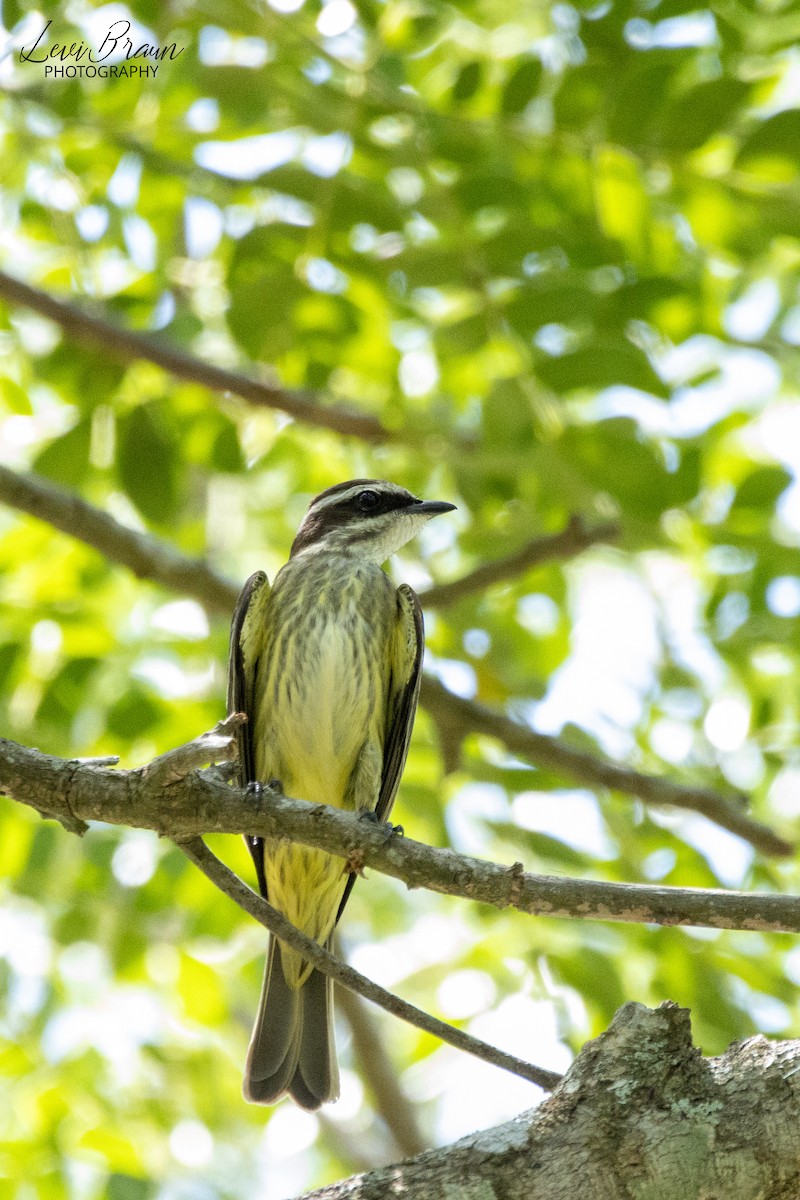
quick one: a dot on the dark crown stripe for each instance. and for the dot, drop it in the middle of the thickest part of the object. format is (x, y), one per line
(326, 513)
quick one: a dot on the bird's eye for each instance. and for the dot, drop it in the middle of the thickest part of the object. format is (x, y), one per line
(367, 500)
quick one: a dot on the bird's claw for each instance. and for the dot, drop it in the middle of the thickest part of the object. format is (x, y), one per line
(256, 788)
(391, 830)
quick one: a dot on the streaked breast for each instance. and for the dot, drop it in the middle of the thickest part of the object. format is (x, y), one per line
(323, 681)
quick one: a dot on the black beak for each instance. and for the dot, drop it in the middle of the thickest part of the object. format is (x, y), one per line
(431, 507)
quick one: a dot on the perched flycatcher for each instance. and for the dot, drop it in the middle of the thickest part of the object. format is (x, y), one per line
(326, 666)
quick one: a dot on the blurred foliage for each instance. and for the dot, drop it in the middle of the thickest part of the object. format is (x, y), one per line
(554, 249)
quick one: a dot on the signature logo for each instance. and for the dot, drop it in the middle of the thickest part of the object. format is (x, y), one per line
(70, 59)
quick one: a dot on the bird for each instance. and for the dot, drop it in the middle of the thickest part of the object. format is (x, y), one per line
(326, 666)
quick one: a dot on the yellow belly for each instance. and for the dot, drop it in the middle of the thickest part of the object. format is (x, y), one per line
(321, 704)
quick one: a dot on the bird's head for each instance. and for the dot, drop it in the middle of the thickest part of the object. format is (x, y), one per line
(365, 519)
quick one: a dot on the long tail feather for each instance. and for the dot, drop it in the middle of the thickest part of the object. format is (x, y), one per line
(292, 1048)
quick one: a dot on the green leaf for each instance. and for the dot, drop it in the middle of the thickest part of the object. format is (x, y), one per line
(580, 96)
(263, 290)
(12, 12)
(134, 713)
(595, 976)
(616, 459)
(467, 82)
(226, 452)
(699, 113)
(66, 459)
(540, 846)
(128, 1187)
(602, 366)
(638, 97)
(521, 87)
(147, 462)
(761, 488)
(508, 415)
(79, 373)
(67, 692)
(9, 656)
(623, 202)
(773, 143)
(548, 301)
(14, 397)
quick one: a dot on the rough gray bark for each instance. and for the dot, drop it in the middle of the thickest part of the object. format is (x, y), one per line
(168, 795)
(640, 1115)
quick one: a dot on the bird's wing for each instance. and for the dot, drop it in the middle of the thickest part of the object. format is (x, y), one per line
(247, 632)
(403, 696)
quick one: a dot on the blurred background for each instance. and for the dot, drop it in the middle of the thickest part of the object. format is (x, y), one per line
(550, 251)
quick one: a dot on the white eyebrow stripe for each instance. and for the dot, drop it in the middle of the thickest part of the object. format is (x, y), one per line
(351, 493)
(337, 498)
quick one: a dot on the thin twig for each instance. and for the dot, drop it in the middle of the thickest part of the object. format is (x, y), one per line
(202, 802)
(218, 745)
(128, 344)
(573, 540)
(233, 887)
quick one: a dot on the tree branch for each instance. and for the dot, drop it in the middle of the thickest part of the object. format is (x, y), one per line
(146, 556)
(468, 716)
(577, 537)
(641, 1113)
(150, 558)
(202, 802)
(233, 887)
(376, 1070)
(128, 344)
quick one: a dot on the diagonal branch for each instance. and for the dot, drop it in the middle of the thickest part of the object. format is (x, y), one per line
(223, 878)
(126, 344)
(146, 556)
(467, 716)
(203, 802)
(377, 1072)
(149, 557)
(577, 537)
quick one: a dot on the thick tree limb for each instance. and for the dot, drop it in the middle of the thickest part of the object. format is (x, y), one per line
(640, 1113)
(148, 557)
(573, 540)
(467, 716)
(202, 802)
(223, 878)
(127, 344)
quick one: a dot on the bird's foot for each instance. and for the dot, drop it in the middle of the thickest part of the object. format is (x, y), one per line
(256, 788)
(391, 830)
